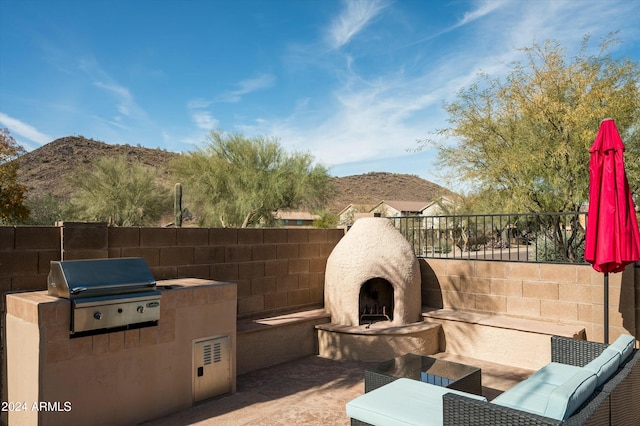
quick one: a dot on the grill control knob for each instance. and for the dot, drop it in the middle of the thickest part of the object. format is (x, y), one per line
(97, 315)
(140, 309)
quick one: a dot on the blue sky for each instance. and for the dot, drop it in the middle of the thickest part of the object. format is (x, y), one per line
(354, 83)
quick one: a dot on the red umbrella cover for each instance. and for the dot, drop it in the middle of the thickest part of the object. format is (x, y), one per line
(612, 236)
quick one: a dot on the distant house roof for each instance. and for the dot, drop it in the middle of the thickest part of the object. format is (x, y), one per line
(405, 206)
(443, 200)
(417, 207)
(364, 208)
(295, 215)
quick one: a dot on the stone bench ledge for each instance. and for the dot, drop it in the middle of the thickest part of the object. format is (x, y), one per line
(506, 322)
(251, 325)
(379, 328)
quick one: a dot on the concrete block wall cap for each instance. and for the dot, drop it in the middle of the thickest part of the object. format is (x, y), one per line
(61, 223)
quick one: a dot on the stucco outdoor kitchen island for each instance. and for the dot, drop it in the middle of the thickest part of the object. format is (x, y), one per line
(116, 377)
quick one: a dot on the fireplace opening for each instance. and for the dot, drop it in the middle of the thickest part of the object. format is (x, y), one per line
(376, 301)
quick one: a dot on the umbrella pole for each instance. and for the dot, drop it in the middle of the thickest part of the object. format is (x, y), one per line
(606, 307)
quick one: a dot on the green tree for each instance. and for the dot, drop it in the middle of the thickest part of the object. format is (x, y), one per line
(45, 210)
(238, 182)
(327, 220)
(12, 194)
(120, 193)
(524, 141)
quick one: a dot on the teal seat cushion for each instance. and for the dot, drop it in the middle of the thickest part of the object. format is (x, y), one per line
(624, 345)
(554, 373)
(605, 365)
(530, 396)
(568, 397)
(402, 402)
(555, 391)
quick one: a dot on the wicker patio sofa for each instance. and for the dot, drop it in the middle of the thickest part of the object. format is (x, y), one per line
(614, 402)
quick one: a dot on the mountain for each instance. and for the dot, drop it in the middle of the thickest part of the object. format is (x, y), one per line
(371, 188)
(46, 171)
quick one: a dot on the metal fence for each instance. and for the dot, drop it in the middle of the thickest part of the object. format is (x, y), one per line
(542, 237)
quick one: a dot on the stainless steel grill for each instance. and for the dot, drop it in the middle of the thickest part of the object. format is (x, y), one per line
(106, 293)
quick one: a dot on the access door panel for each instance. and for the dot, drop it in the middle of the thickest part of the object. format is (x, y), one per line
(211, 368)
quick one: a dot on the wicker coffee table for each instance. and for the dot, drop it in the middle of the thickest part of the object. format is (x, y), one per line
(439, 372)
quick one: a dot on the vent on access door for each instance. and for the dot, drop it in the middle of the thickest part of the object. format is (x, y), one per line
(212, 353)
(212, 368)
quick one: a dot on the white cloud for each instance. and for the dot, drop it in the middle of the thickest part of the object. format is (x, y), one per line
(117, 90)
(24, 130)
(253, 84)
(204, 120)
(365, 120)
(246, 87)
(485, 7)
(198, 103)
(125, 102)
(352, 20)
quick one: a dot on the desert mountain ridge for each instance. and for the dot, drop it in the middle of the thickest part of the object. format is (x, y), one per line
(46, 170)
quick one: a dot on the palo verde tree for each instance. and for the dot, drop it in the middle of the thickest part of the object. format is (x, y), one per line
(238, 181)
(524, 140)
(12, 194)
(118, 192)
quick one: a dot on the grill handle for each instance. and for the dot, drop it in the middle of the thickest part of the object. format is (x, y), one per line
(80, 289)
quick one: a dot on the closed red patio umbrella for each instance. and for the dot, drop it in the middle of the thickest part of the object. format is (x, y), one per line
(612, 236)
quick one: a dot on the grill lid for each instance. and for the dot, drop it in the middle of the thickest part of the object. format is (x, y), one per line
(74, 279)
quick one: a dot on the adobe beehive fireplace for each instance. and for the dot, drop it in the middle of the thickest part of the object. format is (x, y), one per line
(372, 275)
(372, 291)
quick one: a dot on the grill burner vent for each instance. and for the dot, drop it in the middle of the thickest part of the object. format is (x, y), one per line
(106, 293)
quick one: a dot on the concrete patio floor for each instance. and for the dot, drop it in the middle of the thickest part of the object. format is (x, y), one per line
(310, 391)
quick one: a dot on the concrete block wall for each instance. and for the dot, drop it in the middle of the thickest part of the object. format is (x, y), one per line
(25, 253)
(276, 269)
(561, 293)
